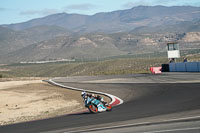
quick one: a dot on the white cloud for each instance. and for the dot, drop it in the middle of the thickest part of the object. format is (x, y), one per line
(43, 12)
(3, 9)
(46, 12)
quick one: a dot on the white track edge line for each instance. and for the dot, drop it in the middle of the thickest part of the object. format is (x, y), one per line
(172, 130)
(135, 124)
(97, 92)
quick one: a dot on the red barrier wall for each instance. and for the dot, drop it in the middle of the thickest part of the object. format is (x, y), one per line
(156, 70)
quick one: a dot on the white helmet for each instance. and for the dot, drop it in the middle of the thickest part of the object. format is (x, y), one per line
(83, 93)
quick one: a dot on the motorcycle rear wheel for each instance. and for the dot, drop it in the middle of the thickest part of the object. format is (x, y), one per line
(109, 107)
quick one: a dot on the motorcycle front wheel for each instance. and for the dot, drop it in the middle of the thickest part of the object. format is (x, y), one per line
(93, 109)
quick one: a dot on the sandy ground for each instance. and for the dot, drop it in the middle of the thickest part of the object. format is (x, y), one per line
(30, 100)
(11, 84)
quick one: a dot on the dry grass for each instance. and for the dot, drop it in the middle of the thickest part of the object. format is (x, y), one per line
(116, 66)
(106, 67)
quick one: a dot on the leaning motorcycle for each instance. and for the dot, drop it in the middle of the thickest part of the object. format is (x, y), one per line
(95, 105)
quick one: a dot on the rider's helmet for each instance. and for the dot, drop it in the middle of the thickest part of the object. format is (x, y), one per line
(89, 95)
(83, 93)
(100, 98)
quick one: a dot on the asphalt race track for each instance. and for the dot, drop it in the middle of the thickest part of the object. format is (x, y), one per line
(149, 100)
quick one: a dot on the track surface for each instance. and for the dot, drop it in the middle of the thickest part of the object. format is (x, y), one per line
(142, 100)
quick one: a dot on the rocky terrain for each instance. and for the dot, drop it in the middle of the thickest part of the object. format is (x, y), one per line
(11, 40)
(192, 37)
(138, 30)
(93, 46)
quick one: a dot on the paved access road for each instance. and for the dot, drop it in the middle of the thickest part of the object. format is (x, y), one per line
(147, 98)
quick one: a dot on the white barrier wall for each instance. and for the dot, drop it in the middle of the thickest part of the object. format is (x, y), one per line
(184, 67)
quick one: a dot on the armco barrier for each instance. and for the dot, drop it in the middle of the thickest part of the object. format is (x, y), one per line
(184, 67)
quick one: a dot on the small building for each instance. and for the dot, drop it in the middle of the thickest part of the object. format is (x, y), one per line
(173, 50)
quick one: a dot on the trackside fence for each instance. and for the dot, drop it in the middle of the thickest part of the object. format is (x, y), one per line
(184, 67)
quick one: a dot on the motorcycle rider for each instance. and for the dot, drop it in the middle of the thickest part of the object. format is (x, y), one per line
(101, 99)
(98, 97)
(89, 97)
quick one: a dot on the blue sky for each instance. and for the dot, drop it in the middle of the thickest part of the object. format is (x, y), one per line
(15, 11)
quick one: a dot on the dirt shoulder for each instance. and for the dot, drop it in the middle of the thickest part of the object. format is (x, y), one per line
(31, 100)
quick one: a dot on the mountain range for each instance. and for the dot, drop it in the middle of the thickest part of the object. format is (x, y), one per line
(116, 21)
(135, 30)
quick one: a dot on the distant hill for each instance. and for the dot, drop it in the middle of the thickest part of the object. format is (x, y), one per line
(181, 27)
(11, 40)
(142, 29)
(97, 46)
(116, 21)
(80, 47)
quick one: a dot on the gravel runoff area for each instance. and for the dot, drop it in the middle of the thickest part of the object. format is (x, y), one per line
(28, 100)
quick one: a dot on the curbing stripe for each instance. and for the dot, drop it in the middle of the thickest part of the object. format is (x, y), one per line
(115, 101)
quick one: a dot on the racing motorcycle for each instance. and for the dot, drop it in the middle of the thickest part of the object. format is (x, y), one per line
(95, 104)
